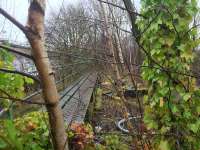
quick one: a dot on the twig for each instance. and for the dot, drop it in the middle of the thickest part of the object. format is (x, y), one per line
(195, 26)
(13, 99)
(150, 23)
(123, 8)
(172, 18)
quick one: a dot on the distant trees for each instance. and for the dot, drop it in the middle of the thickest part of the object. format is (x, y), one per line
(72, 27)
(75, 33)
(81, 31)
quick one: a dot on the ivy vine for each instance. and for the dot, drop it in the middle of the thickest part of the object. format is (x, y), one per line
(172, 106)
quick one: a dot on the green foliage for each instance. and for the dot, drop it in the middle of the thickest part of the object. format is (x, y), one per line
(98, 98)
(80, 136)
(113, 142)
(29, 132)
(164, 145)
(11, 83)
(172, 104)
(11, 136)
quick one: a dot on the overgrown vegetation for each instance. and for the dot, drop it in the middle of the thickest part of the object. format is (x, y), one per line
(97, 37)
(172, 105)
(29, 132)
(11, 85)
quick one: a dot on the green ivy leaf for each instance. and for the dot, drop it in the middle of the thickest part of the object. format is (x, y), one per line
(174, 109)
(151, 124)
(3, 144)
(186, 96)
(1, 64)
(194, 127)
(198, 110)
(164, 145)
(12, 134)
(29, 80)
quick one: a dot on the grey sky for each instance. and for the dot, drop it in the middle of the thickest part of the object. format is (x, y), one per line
(19, 10)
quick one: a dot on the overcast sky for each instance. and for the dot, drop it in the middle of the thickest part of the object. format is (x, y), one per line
(19, 10)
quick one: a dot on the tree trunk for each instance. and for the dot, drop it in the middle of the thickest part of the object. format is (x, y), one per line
(116, 74)
(119, 51)
(109, 43)
(130, 8)
(51, 97)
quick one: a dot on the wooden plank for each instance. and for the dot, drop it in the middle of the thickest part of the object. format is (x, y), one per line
(37, 96)
(75, 109)
(86, 94)
(70, 103)
(67, 93)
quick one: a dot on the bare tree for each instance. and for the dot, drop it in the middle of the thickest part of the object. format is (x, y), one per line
(130, 8)
(74, 32)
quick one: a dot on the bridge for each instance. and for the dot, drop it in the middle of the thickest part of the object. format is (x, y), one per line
(75, 87)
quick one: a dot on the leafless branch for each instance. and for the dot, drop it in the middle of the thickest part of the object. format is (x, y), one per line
(24, 29)
(13, 20)
(123, 8)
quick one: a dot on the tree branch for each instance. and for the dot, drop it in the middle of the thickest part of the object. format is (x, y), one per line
(149, 25)
(24, 29)
(15, 51)
(13, 20)
(20, 73)
(195, 26)
(9, 97)
(123, 8)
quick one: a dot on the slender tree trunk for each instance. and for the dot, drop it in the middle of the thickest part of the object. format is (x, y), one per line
(130, 8)
(119, 51)
(109, 43)
(116, 74)
(51, 97)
